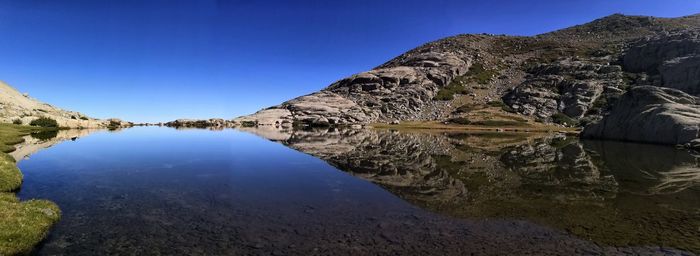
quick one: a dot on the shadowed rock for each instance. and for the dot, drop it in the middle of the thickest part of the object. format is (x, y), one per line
(650, 114)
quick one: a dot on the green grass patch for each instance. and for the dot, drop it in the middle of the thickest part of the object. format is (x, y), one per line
(10, 176)
(456, 86)
(499, 123)
(500, 104)
(22, 224)
(476, 73)
(479, 74)
(490, 123)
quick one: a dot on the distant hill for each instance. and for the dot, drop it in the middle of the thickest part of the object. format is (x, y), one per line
(19, 107)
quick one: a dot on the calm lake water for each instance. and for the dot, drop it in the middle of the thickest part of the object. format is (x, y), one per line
(161, 191)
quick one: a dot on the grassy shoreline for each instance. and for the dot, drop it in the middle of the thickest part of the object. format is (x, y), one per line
(22, 224)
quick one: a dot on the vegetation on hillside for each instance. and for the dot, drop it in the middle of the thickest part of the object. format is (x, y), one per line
(44, 122)
(456, 86)
(479, 74)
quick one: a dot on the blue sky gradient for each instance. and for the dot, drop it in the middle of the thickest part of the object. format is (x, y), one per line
(161, 60)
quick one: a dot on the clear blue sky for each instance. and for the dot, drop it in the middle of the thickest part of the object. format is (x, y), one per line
(161, 60)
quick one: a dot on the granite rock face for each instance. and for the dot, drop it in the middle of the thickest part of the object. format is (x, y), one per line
(667, 112)
(648, 54)
(682, 73)
(400, 91)
(650, 114)
(674, 59)
(566, 86)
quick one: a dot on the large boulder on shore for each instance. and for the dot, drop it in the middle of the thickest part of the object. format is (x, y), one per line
(650, 114)
(673, 58)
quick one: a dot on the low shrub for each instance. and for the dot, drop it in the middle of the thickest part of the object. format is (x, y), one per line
(44, 122)
(17, 121)
(448, 92)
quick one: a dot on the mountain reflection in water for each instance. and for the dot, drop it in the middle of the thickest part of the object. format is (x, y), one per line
(612, 193)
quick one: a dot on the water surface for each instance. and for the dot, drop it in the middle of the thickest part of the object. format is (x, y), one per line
(160, 191)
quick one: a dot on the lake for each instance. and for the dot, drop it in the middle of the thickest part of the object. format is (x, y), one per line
(162, 191)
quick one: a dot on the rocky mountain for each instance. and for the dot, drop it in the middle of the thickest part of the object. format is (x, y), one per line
(16, 107)
(572, 77)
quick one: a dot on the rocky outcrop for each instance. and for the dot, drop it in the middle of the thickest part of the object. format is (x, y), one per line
(667, 112)
(16, 107)
(399, 91)
(672, 60)
(682, 73)
(648, 54)
(570, 87)
(650, 114)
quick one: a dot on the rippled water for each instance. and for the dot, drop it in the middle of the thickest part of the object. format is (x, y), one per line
(151, 191)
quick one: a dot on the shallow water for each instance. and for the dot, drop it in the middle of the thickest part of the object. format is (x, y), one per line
(161, 191)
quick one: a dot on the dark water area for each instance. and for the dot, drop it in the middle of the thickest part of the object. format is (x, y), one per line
(161, 191)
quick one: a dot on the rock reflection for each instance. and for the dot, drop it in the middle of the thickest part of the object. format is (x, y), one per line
(610, 192)
(39, 141)
(652, 169)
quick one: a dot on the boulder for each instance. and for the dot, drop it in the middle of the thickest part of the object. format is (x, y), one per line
(648, 54)
(674, 58)
(650, 114)
(682, 73)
